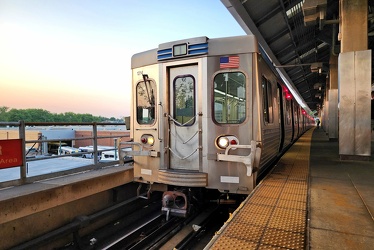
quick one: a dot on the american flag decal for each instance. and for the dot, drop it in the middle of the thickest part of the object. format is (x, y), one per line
(229, 62)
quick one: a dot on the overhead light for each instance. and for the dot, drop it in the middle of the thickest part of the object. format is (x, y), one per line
(318, 86)
(316, 67)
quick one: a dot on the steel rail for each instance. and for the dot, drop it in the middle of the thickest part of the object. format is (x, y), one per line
(79, 223)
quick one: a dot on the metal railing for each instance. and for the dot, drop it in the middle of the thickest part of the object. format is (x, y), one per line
(51, 160)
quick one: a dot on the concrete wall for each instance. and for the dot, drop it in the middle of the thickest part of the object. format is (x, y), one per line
(32, 210)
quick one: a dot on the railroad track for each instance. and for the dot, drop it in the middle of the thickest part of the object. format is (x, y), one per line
(154, 232)
(140, 224)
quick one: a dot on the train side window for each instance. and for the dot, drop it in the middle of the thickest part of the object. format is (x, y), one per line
(229, 98)
(146, 102)
(184, 99)
(267, 97)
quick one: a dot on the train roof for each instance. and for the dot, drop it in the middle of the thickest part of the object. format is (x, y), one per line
(198, 46)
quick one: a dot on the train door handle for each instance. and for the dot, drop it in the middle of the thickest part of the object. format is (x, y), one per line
(160, 117)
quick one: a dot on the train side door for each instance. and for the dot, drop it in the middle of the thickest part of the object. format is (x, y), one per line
(183, 120)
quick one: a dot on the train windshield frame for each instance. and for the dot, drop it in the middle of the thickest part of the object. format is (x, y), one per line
(146, 95)
(229, 94)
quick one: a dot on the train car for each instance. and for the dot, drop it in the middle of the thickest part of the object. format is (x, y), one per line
(208, 113)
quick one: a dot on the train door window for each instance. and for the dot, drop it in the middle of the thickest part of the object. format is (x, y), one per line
(184, 99)
(288, 112)
(296, 116)
(146, 102)
(267, 100)
(229, 98)
(279, 96)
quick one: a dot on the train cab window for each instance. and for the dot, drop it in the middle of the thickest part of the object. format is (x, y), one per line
(184, 99)
(229, 98)
(146, 102)
(267, 97)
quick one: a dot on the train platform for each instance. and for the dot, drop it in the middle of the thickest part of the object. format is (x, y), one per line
(311, 200)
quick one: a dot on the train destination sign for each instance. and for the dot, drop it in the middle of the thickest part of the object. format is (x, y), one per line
(10, 153)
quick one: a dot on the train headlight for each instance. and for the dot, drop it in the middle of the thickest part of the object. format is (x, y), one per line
(149, 140)
(223, 142)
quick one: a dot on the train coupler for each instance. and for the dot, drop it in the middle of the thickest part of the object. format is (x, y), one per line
(174, 203)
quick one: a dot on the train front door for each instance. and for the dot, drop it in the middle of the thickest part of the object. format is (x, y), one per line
(183, 118)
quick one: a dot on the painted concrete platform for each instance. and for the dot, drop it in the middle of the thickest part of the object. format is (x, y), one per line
(341, 198)
(332, 210)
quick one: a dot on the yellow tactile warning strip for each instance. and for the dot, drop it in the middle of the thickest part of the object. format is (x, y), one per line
(275, 215)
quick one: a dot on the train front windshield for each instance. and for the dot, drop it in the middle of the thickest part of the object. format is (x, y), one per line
(229, 98)
(145, 102)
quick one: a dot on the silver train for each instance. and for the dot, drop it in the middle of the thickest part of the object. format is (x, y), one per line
(208, 113)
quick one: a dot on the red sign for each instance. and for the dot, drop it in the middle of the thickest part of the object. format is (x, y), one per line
(10, 153)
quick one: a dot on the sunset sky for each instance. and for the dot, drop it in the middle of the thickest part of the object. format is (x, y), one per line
(74, 55)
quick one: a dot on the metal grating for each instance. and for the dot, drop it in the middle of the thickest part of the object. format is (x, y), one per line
(243, 229)
(275, 215)
(259, 200)
(288, 219)
(285, 239)
(292, 204)
(234, 244)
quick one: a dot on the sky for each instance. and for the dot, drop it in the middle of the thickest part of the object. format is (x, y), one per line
(75, 55)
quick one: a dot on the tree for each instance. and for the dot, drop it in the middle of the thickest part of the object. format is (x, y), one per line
(3, 113)
(41, 115)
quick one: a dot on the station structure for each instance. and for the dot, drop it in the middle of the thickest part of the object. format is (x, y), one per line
(324, 50)
(320, 194)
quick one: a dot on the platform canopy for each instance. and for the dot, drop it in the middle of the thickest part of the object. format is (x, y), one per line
(299, 36)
